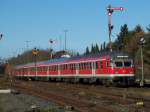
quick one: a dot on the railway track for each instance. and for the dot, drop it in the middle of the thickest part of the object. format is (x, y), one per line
(74, 103)
(79, 96)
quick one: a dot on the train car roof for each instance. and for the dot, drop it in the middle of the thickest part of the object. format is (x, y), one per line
(75, 59)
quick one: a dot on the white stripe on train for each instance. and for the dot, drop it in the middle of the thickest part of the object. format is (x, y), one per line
(80, 76)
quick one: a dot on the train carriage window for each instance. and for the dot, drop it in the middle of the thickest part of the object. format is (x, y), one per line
(56, 67)
(89, 65)
(32, 69)
(73, 66)
(85, 66)
(41, 69)
(68, 67)
(44, 69)
(80, 66)
(61, 68)
(53, 68)
(97, 63)
(38, 69)
(65, 67)
(108, 63)
(49, 68)
(24, 69)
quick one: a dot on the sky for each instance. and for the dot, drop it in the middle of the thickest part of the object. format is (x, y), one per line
(38, 21)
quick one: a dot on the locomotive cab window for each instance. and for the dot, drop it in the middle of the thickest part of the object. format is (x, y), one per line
(118, 63)
(127, 63)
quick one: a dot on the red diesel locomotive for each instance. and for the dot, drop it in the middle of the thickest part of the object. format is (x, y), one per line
(107, 68)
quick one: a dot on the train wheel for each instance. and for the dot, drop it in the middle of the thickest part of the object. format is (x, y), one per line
(107, 83)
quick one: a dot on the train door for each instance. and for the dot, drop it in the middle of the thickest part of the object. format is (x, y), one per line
(93, 68)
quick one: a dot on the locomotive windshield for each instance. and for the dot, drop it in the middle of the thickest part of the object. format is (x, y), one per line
(127, 63)
(122, 63)
(118, 63)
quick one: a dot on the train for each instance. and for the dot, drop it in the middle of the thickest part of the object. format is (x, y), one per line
(108, 68)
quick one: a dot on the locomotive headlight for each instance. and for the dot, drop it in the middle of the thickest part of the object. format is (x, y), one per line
(131, 72)
(123, 71)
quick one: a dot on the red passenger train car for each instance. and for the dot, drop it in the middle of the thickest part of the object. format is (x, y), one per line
(107, 68)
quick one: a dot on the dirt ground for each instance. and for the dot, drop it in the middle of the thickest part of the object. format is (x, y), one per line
(26, 103)
(23, 102)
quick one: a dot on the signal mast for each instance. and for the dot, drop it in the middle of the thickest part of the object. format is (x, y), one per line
(110, 11)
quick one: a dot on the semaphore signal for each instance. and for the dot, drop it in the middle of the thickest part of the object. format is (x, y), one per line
(110, 11)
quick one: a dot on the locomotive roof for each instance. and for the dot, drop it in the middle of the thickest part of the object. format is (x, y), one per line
(77, 58)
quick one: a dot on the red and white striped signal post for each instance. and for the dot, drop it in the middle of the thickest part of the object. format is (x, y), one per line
(110, 11)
